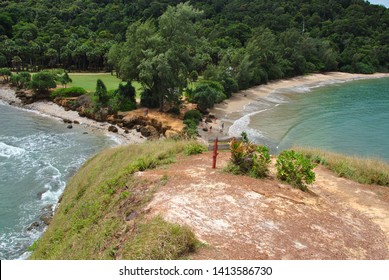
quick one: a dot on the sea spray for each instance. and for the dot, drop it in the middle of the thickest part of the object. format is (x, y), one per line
(37, 157)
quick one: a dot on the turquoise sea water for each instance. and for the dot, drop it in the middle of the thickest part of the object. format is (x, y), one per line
(349, 117)
(37, 156)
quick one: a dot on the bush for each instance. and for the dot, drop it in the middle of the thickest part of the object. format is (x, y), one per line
(68, 92)
(194, 149)
(5, 74)
(24, 79)
(230, 86)
(207, 94)
(296, 169)
(190, 128)
(118, 103)
(248, 159)
(42, 82)
(193, 115)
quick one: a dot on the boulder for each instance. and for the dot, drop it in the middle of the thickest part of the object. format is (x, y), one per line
(150, 132)
(131, 120)
(112, 128)
(70, 126)
(101, 115)
(111, 119)
(46, 218)
(34, 225)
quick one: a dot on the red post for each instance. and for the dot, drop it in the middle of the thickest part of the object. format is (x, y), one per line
(215, 153)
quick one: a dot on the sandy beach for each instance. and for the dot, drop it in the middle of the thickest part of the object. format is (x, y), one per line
(232, 109)
(53, 110)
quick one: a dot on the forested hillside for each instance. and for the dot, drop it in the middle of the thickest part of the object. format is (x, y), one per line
(238, 43)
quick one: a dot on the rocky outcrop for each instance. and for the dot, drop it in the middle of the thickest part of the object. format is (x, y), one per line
(149, 127)
(28, 96)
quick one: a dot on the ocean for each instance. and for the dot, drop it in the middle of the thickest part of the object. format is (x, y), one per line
(349, 117)
(38, 155)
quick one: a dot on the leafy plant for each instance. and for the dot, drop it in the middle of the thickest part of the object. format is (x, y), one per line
(190, 128)
(295, 169)
(194, 115)
(194, 149)
(248, 158)
(42, 82)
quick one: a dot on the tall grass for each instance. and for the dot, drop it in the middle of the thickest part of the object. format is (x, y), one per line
(361, 170)
(101, 213)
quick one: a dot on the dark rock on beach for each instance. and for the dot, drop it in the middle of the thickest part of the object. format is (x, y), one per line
(35, 225)
(112, 128)
(47, 216)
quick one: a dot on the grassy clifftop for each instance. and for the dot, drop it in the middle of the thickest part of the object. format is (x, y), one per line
(100, 215)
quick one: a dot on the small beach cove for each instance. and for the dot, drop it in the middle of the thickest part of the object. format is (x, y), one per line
(308, 110)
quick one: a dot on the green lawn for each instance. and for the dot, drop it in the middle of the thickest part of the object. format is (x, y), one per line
(88, 81)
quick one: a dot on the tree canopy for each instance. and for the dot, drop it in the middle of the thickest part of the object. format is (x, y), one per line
(237, 43)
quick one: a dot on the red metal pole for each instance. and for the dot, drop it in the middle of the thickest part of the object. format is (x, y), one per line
(215, 153)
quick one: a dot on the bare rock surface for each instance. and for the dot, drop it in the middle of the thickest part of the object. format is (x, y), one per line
(239, 217)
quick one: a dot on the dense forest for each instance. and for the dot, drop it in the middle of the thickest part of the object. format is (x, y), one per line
(236, 43)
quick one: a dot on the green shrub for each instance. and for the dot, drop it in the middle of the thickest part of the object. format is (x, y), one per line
(190, 128)
(248, 159)
(41, 82)
(68, 92)
(24, 79)
(5, 74)
(207, 94)
(296, 169)
(119, 103)
(194, 149)
(193, 115)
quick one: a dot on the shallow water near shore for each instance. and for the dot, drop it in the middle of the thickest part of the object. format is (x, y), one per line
(350, 118)
(37, 156)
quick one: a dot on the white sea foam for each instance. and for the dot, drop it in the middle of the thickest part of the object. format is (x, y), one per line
(242, 124)
(10, 151)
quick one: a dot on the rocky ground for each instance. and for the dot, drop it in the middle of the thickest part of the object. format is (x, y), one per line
(239, 217)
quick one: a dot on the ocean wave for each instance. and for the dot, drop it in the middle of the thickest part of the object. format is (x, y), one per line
(242, 124)
(13, 245)
(10, 151)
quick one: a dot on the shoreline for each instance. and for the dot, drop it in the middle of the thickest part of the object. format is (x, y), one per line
(52, 110)
(233, 109)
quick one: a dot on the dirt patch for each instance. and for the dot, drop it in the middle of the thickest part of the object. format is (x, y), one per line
(239, 217)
